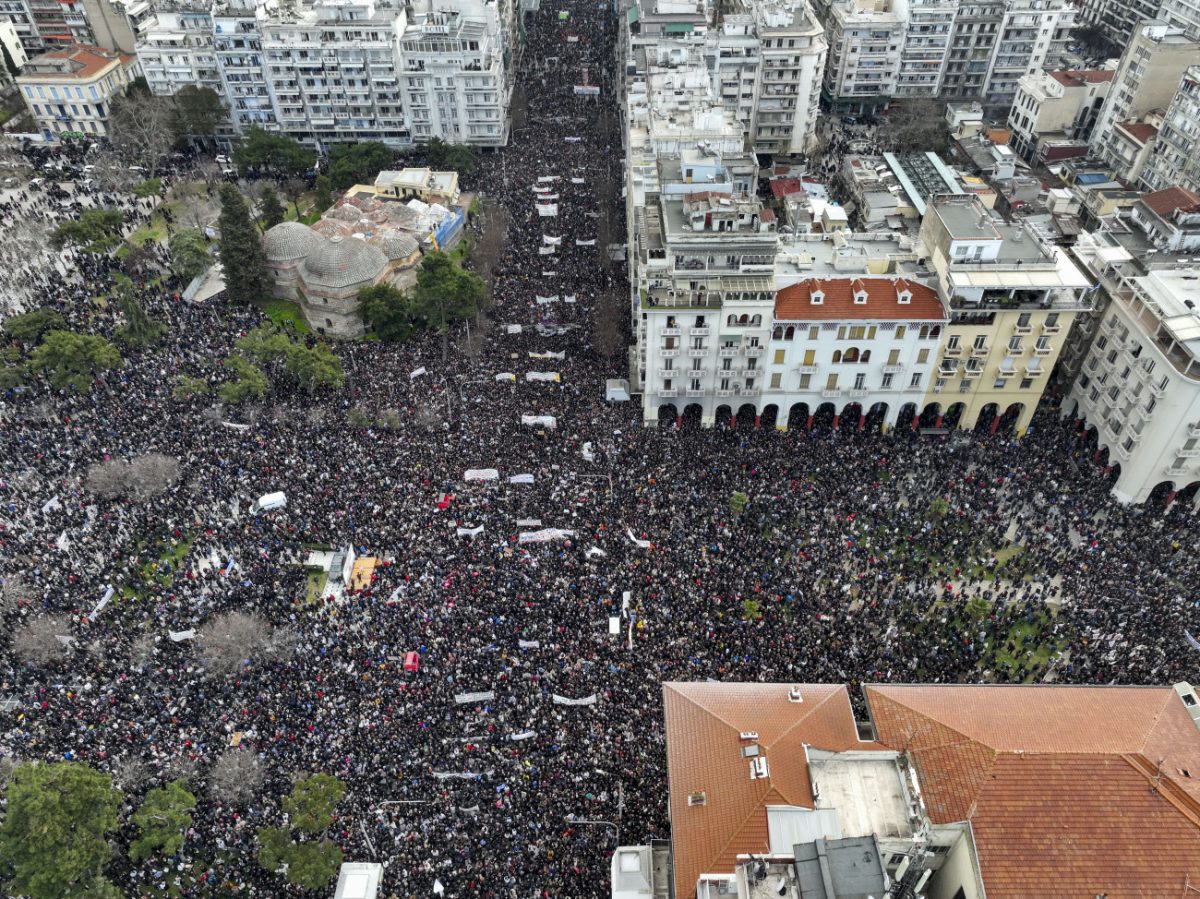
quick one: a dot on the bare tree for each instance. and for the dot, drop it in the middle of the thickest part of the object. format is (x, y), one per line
(316, 416)
(229, 640)
(7, 763)
(428, 418)
(140, 131)
(214, 415)
(236, 777)
(129, 772)
(36, 641)
(182, 767)
(144, 477)
(390, 420)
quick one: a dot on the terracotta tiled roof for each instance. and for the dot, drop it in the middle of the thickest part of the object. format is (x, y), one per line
(782, 187)
(1139, 131)
(1080, 77)
(86, 62)
(1079, 787)
(795, 303)
(1164, 202)
(703, 723)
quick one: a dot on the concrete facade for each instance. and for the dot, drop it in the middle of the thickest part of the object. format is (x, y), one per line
(1175, 160)
(70, 90)
(1055, 104)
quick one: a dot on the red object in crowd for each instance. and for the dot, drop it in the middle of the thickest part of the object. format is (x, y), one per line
(412, 662)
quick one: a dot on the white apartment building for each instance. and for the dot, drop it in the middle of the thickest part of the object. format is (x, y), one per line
(1140, 384)
(176, 49)
(793, 54)
(734, 58)
(455, 71)
(331, 69)
(1055, 104)
(971, 43)
(1175, 159)
(1032, 35)
(11, 40)
(1147, 78)
(237, 45)
(926, 47)
(866, 39)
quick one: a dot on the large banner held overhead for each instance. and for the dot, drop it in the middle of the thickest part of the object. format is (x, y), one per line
(481, 696)
(564, 700)
(481, 474)
(546, 535)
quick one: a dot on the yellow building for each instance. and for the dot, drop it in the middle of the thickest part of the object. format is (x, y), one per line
(70, 91)
(1013, 298)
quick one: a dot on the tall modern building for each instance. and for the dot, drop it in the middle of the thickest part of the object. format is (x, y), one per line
(1175, 160)
(926, 47)
(1147, 78)
(1120, 19)
(176, 48)
(972, 40)
(1032, 34)
(866, 39)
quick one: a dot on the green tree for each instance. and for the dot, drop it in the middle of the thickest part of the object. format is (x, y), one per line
(313, 865)
(322, 197)
(351, 164)
(445, 293)
(140, 329)
(96, 231)
(241, 250)
(274, 847)
(29, 326)
(148, 188)
(388, 310)
(190, 253)
(54, 839)
(162, 821)
(198, 113)
(272, 210)
(248, 381)
(312, 802)
(187, 387)
(273, 152)
(738, 502)
(68, 359)
(309, 368)
(977, 608)
(462, 158)
(751, 610)
(919, 124)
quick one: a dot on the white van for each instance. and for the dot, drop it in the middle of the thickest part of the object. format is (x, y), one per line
(267, 502)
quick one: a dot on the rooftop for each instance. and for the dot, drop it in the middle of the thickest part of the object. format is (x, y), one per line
(78, 61)
(869, 299)
(1139, 131)
(1081, 77)
(1089, 788)
(1165, 202)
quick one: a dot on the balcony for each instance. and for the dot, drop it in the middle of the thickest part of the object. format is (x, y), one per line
(1194, 430)
(729, 352)
(669, 392)
(1043, 350)
(1033, 368)
(1022, 329)
(670, 332)
(859, 392)
(695, 393)
(954, 351)
(892, 368)
(979, 352)
(831, 392)
(972, 372)
(698, 352)
(700, 332)
(723, 392)
(668, 373)
(668, 354)
(754, 350)
(1192, 453)
(1050, 329)
(1158, 389)
(807, 369)
(749, 391)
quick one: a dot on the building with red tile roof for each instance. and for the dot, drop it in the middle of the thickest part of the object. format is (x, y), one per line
(883, 299)
(70, 90)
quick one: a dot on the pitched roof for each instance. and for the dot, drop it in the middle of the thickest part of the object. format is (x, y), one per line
(1081, 787)
(1164, 202)
(795, 303)
(782, 187)
(1080, 77)
(1139, 131)
(703, 723)
(81, 61)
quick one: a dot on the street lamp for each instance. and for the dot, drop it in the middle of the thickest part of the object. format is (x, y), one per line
(572, 820)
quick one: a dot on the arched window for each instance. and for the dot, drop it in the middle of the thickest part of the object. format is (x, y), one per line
(851, 355)
(757, 320)
(866, 356)
(924, 332)
(732, 320)
(744, 320)
(837, 356)
(790, 333)
(777, 334)
(935, 332)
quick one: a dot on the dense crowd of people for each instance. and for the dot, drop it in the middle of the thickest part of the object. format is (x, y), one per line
(841, 567)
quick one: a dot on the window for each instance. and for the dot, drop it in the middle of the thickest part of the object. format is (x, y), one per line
(831, 382)
(952, 342)
(922, 357)
(916, 380)
(1000, 383)
(858, 332)
(900, 331)
(775, 379)
(666, 384)
(964, 386)
(893, 357)
(980, 342)
(1023, 320)
(886, 384)
(837, 356)
(1026, 383)
(813, 332)
(860, 381)
(1014, 345)
(806, 382)
(1043, 343)
(779, 354)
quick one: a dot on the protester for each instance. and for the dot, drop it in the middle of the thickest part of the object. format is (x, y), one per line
(827, 575)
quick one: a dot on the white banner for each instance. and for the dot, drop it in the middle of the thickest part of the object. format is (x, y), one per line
(546, 251)
(180, 636)
(568, 298)
(104, 601)
(523, 735)
(539, 421)
(563, 700)
(529, 522)
(417, 372)
(530, 644)
(513, 329)
(549, 355)
(551, 241)
(455, 775)
(481, 696)
(641, 544)
(589, 454)
(1192, 641)
(468, 532)
(506, 376)
(596, 551)
(547, 178)
(235, 426)
(614, 625)
(63, 543)
(578, 181)
(52, 504)
(545, 301)
(542, 189)
(585, 243)
(543, 376)
(545, 535)
(548, 210)
(481, 474)
(521, 479)
(587, 90)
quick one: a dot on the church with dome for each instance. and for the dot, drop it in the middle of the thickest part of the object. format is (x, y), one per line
(359, 242)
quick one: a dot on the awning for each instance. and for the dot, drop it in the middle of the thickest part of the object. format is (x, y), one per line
(632, 15)
(679, 28)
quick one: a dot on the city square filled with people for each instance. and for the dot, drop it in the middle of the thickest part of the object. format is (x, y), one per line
(854, 556)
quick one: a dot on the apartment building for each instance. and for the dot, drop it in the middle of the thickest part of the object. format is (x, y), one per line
(176, 49)
(1052, 105)
(71, 89)
(1183, 14)
(332, 72)
(734, 57)
(784, 118)
(1032, 35)
(972, 39)
(237, 45)
(1175, 160)
(866, 39)
(11, 39)
(926, 47)
(1147, 77)
(1013, 298)
(455, 71)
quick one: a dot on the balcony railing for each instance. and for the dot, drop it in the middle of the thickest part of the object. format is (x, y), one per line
(700, 332)
(979, 351)
(697, 352)
(668, 354)
(754, 350)
(729, 352)
(972, 372)
(670, 332)
(831, 392)
(807, 369)
(669, 391)
(892, 368)
(953, 351)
